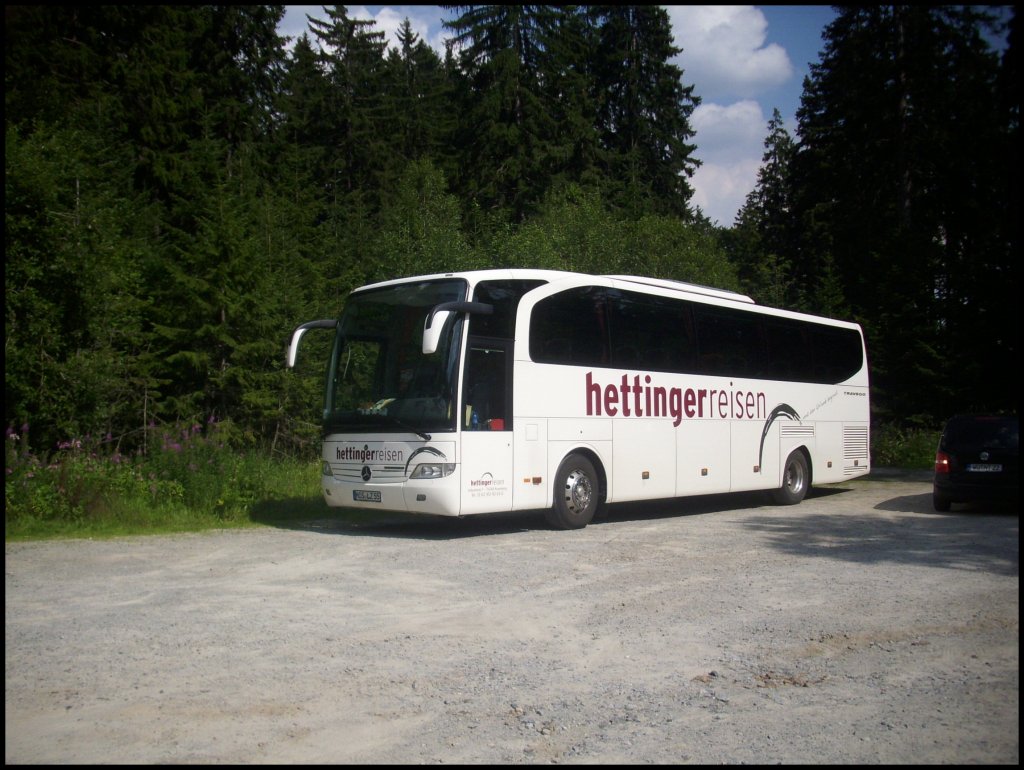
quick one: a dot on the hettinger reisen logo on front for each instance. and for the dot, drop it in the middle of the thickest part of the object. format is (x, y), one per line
(367, 455)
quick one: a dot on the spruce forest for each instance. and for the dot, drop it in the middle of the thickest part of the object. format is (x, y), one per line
(183, 187)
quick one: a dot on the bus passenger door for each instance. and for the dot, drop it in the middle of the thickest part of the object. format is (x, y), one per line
(486, 423)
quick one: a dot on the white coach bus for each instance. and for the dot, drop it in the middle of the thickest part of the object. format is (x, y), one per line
(506, 390)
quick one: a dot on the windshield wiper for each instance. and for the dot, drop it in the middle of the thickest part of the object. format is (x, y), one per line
(406, 426)
(353, 424)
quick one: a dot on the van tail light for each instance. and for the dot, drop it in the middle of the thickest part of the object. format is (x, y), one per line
(941, 462)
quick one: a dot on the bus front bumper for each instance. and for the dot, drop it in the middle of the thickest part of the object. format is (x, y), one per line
(440, 497)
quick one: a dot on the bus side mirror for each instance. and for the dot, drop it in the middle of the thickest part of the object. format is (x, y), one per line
(293, 347)
(432, 330)
(438, 317)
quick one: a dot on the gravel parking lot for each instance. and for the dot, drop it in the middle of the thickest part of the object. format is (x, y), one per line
(857, 627)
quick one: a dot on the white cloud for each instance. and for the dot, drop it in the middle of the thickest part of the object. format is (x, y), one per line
(730, 143)
(727, 61)
(720, 189)
(389, 19)
(294, 22)
(724, 52)
(738, 127)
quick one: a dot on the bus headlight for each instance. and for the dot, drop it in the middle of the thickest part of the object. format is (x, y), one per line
(325, 469)
(432, 470)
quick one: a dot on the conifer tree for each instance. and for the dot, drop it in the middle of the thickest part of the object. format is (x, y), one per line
(568, 83)
(419, 99)
(352, 58)
(897, 178)
(506, 124)
(760, 241)
(644, 111)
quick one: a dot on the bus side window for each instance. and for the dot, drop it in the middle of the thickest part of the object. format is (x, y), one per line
(504, 297)
(650, 332)
(576, 318)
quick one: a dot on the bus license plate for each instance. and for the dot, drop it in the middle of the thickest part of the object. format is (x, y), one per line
(362, 496)
(984, 468)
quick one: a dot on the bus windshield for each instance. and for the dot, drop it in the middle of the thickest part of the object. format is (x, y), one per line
(379, 380)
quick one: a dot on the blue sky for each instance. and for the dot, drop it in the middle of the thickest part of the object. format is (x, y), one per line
(743, 61)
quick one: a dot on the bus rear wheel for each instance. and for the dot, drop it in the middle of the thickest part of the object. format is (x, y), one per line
(796, 479)
(577, 494)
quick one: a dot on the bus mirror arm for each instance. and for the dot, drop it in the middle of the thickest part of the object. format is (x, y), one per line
(439, 314)
(480, 308)
(293, 347)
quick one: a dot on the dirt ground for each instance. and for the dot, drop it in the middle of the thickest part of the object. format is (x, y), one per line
(857, 627)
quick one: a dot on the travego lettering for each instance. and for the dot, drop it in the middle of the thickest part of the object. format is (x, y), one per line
(642, 399)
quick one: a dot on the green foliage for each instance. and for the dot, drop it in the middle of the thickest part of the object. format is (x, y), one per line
(74, 299)
(83, 481)
(575, 231)
(895, 446)
(189, 479)
(421, 229)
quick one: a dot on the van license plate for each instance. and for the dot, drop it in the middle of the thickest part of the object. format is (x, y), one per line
(362, 496)
(984, 468)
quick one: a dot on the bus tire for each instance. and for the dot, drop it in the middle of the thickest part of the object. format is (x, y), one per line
(796, 479)
(577, 494)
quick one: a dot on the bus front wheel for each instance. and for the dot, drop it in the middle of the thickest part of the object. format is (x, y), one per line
(577, 494)
(796, 478)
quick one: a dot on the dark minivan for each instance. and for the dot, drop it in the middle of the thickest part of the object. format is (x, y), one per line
(977, 460)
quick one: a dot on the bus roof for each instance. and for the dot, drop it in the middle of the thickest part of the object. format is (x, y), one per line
(498, 273)
(660, 284)
(692, 288)
(475, 276)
